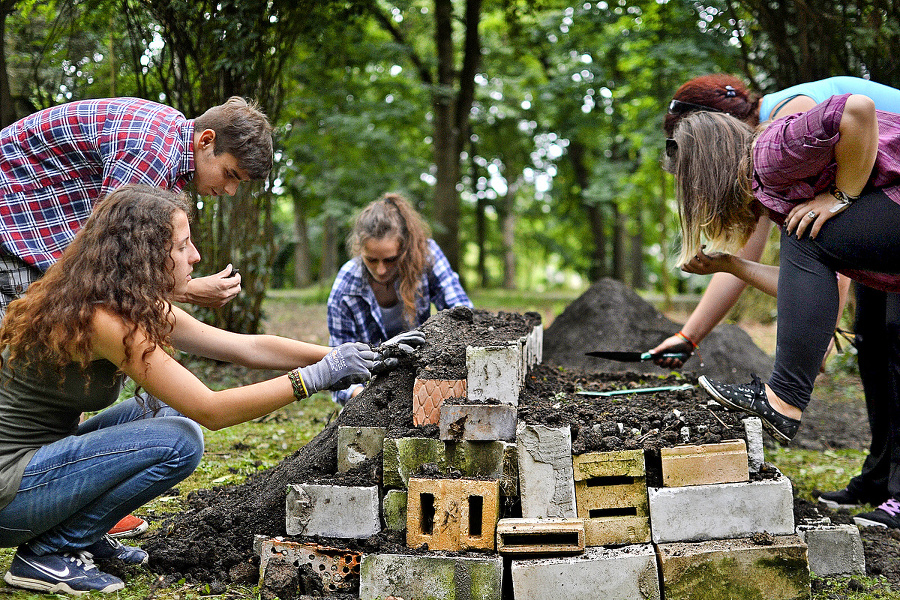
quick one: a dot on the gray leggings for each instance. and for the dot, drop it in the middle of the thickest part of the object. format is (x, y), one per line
(865, 236)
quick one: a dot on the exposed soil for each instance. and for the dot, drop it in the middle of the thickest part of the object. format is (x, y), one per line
(212, 541)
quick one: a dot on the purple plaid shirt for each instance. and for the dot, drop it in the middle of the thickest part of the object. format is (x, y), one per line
(57, 163)
(793, 161)
(354, 314)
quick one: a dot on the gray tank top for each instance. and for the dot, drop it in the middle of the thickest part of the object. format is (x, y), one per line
(35, 410)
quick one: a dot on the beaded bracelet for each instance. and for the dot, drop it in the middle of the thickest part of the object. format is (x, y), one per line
(687, 339)
(297, 383)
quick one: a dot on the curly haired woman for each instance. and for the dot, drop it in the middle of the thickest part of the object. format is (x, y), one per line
(101, 313)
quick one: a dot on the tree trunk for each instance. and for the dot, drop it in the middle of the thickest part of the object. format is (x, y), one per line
(593, 211)
(619, 259)
(328, 267)
(7, 108)
(509, 237)
(302, 261)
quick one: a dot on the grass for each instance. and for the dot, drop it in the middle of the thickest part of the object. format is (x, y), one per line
(234, 453)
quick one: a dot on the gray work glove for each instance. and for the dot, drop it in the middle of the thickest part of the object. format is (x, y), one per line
(404, 344)
(342, 367)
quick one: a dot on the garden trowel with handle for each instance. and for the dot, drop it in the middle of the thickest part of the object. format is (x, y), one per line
(636, 356)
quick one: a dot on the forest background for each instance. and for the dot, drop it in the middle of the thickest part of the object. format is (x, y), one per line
(527, 131)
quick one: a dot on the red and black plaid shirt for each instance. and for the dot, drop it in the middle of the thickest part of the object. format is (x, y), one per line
(57, 163)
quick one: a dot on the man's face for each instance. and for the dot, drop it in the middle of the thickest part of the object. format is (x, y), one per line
(215, 175)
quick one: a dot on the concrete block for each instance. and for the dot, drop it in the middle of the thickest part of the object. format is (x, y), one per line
(429, 395)
(358, 444)
(537, 344)
(452, 514)
(476, 459)
(736, 568)
(833, 549)
(546, 479)
(405, 456)
(540, 536)
(725, 462)
(494, 372)
(394, 510)
(756, 452)
(430, 577)
(332, 511)
(611, 497)
(338, 568)
(722, 510)
(478, 422)
(627, 573)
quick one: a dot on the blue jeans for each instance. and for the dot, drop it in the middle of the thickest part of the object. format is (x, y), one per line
(74, 490)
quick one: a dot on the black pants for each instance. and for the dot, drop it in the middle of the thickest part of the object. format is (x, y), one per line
(865, 236)
(878, 345)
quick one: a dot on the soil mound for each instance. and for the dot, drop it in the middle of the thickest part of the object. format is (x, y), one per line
(611, 316)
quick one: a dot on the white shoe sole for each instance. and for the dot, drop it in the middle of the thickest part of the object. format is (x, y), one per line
(53, 588)
(868, 523)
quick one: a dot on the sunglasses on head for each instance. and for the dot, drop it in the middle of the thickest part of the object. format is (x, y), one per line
(679, 107)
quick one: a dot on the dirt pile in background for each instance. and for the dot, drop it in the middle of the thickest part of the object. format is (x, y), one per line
(611, 316)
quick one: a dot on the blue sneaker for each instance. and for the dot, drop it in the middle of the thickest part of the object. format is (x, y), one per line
(106, 548)
(69, 573)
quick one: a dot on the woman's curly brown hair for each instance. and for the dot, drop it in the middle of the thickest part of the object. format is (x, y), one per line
(392, 216)
(120, 260)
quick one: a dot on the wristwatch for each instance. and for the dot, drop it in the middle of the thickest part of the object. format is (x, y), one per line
(843, 198)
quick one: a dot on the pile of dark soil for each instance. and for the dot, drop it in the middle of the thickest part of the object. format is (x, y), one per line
(611, 316)
(212, 541)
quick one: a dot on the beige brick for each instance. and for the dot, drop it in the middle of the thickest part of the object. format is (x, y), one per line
(429, 394)
(540, 536)
(611, 497)
(736, 568)
(725, 462)
(452, 514)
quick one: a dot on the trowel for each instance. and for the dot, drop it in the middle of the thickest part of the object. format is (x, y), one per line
(637, 356)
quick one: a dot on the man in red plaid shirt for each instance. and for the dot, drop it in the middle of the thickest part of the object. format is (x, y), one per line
(57, 163)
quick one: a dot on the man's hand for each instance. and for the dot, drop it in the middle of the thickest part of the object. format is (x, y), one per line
(213, 291)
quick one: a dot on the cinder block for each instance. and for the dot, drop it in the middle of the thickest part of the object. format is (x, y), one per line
(338, 568)
(404, 456)
(452, 514)
(476, 459)
(537, 344)
(478, 422)
(722, 511)
(429, 395)
(736, 568)
(358, 444)
(725, 462)
(540, 536)
(546, 483)
(833, 549)
(430, 577)
(494, 372)
(627, 573)
(394, 510)
(756, 452)
(611, 496)
(332, 511)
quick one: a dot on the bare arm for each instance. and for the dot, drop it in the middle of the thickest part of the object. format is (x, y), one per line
(854, 154)
(253, 351)
(762, 277)
(720, 296)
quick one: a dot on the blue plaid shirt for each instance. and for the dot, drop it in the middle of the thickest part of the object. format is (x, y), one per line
(57, 163)
(354, 314)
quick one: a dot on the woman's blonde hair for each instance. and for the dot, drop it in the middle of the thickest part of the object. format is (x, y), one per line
(712, 168)
(120, 260)
(392, 216)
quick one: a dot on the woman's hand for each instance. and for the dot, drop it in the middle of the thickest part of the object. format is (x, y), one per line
(345, 365)
(813, 214)
(672, 345)
(706, 264)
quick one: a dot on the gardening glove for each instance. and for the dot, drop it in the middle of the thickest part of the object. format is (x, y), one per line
(404, 344)
(342, 367)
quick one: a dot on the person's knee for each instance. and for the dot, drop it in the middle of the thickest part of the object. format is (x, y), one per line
(187, 441)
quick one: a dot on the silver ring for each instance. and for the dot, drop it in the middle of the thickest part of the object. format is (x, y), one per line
(811, 214)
